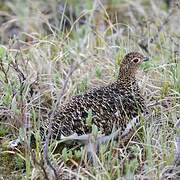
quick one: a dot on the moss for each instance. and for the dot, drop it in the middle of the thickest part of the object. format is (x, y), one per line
(3, 130)
(10, 162)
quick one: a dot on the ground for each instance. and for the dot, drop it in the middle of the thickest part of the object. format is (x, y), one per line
(51, 51)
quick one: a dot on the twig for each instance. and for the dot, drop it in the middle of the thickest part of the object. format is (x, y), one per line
(177, 144)
(71, 70)
(21, 75)
(144, 43)
(5, 71)
(41, 166)
(83, 169)
(160, 28)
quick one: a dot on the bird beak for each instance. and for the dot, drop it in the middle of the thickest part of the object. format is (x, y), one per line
(146, 59)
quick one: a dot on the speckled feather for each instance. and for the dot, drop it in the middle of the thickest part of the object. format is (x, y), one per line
(112, 106)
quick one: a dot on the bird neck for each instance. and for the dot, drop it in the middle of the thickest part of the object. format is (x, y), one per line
(127, 83)
(126, 77)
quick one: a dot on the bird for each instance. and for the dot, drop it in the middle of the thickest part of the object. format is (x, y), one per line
(114, 106)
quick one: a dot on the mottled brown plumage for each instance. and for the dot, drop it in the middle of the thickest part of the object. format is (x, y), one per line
(112, 106)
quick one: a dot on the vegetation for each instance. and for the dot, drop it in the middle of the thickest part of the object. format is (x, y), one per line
(52, 50)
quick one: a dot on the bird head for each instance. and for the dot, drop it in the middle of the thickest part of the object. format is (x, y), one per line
(130, 65)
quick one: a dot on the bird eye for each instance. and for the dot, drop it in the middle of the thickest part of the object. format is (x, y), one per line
(136, 60)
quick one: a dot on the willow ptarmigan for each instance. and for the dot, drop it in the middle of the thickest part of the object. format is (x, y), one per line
(111, 106)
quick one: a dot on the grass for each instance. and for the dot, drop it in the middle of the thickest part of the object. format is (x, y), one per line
(33, 76)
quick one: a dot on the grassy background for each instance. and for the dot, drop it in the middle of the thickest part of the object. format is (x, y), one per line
(56, 49)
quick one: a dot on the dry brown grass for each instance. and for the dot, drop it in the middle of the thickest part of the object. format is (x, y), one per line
(35, 75)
